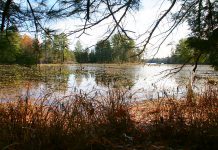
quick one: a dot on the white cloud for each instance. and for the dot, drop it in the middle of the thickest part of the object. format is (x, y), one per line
(138, 22)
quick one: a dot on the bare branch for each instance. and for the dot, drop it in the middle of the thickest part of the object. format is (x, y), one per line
(88, 26)
(155, 27)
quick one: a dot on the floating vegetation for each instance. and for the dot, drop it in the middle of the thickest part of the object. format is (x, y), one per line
(114, 80)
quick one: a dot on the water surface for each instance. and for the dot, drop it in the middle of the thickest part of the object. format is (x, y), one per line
(145, 81)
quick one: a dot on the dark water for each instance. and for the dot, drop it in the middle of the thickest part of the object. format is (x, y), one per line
(145, 81)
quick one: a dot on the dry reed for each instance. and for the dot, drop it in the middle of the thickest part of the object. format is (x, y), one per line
(110, 122)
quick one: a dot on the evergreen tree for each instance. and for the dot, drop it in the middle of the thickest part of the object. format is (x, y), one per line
(81, 55)
(103, 51)
(10, 45)
(123, 48)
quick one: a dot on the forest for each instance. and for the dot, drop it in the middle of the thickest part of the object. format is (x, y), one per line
(25, 50)
(53, 49)
(18, 49)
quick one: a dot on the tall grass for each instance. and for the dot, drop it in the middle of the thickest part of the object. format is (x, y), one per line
(110, 122)
(79, 123)
(190, 123)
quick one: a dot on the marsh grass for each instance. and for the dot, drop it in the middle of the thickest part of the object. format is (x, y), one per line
(190, 123)
(82, 121)
(12, 75)
(79, 123)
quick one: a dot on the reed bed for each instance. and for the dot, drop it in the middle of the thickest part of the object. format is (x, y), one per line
(82, 121)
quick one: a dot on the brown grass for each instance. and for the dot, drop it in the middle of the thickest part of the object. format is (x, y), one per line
(109, 122)
(190, 123)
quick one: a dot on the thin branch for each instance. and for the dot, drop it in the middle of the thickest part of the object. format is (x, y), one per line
(36, 22)
(114, 18)
(176, 69)
(88, 7)
(196, 62)
(88, 26)
(155, 27)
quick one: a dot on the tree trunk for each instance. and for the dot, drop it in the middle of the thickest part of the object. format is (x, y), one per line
(5, 13)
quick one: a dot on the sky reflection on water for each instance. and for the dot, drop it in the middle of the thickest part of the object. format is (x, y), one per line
(145, 81)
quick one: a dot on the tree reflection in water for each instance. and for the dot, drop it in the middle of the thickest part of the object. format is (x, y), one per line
(68, 79)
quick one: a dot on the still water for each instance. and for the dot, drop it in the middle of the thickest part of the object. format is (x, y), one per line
(142, 81)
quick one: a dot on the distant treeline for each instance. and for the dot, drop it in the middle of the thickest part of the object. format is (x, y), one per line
(22, 49)
(118, 49)
(54, 48)
(183, 54)
(172, 60)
